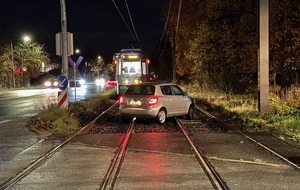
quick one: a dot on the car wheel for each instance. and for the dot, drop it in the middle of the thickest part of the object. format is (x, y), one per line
(191, 112)
(161, 116)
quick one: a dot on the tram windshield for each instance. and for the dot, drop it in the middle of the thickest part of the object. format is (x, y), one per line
(131, 67)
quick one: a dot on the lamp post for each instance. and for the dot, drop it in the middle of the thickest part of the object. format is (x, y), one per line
(99, 62)
(26, 39)
(12, 64)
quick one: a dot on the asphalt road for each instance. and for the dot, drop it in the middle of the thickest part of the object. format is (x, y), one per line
(16, 108)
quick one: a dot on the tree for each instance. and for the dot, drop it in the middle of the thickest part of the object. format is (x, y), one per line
(26, 55)
(284, 40)
(97, 66)
(218, 45)
(180, 18)
(110, 69)
(216, 41)
(6, 69)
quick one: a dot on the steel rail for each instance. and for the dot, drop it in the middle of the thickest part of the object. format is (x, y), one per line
(211, 173)
(251, 139)
(271, 151)
(89, 126)
(222, 123)
(25, 171)
(114, 168)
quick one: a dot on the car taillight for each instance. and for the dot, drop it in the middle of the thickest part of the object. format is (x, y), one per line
(121, 100)
(153, 100)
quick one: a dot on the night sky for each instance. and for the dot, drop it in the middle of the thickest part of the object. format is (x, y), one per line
(97, 26)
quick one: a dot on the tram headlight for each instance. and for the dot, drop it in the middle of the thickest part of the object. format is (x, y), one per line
(126, 81)
(136, 81)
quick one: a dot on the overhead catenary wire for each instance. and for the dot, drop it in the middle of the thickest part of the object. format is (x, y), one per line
(165, 28)
(137, 37)
(178, 17)
(124, 20)
(171, 20)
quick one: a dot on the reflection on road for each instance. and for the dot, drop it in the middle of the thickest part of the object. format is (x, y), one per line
(78, 93)
(16, 103)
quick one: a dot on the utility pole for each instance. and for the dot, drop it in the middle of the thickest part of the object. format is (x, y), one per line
(64, 38)
(174, 80)
(263, 51)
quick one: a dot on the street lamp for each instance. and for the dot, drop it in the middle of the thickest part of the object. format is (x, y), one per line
(26, 39)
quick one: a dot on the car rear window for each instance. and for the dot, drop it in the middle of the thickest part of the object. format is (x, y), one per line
(140, 90)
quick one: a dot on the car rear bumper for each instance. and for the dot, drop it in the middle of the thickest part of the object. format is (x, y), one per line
(138, 113)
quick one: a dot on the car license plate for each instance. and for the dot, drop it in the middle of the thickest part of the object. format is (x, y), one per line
(135, 103)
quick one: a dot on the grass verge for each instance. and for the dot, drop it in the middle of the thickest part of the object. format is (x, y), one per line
(61, 122)
(281, 119)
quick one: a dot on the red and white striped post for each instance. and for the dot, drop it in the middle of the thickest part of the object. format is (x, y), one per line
(63, 99)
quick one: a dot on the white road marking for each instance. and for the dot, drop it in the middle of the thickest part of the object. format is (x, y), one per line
(31, 146)
(5, 121)
(29, 115)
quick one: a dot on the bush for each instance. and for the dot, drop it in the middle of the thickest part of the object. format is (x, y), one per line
(278, 107)
(57, 121)
(282, 116)
(65, 125)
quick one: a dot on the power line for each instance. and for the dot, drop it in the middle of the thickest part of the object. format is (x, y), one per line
(124, 20)
(131, 21)
(179, 10)
(177, 23)
(165, 28)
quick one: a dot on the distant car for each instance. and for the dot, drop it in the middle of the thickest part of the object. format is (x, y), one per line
(111, 84)
(78, 82)
(156, 100)
(51, 83)
(100, 82)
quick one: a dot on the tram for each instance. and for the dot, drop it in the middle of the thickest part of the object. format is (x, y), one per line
(131, 68)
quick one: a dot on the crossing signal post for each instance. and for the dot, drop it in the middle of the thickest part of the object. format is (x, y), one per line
(75, 66)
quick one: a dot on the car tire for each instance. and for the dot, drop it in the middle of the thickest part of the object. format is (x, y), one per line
(161, 116)
(191, 112)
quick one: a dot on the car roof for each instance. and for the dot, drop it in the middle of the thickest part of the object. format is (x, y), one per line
(154, 84)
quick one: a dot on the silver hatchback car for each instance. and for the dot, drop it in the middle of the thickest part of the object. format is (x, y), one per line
(156, 100)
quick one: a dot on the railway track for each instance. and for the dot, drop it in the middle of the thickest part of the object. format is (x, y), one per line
(37, 162)
(114, 170)
(227, 127)
(210, 171)
(113, 178)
